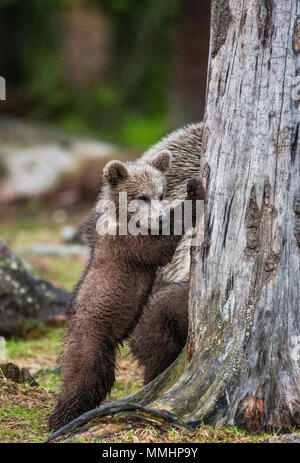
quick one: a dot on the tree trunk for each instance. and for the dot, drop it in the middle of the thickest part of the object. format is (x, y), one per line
(24, 297)
(242, 362)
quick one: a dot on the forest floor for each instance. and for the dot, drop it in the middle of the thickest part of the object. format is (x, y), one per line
(24, 409)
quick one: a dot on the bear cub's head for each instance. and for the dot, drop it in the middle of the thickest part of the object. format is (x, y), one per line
(142, 186)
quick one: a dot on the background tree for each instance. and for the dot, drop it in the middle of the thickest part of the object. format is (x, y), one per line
(190, 58)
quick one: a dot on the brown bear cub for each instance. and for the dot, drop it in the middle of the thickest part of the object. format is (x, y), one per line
(116, 284)
(167, 312)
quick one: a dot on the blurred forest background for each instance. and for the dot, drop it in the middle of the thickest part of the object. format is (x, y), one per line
(125, 71)
(86, 81)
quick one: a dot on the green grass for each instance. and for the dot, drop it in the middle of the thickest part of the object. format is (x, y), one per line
(122, 388)
(27, 424)
(46, 348)
(38, 354)
(60, 271)
(50, 381)
(24, 231)
(18, 348)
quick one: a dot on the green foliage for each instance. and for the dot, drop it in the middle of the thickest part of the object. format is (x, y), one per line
(141, 132)
(130, 108)
(38, 3)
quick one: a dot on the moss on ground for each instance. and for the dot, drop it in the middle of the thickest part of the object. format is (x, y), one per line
(20, 424)
(23, 412)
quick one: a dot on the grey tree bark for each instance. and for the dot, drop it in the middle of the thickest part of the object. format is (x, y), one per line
(245, 294)
(242, 362)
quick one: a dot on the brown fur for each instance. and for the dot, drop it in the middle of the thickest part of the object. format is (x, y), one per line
(161, 332)
(107, 304)
(185, 147)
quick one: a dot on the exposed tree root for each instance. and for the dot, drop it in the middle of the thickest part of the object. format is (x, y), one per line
(162, 417)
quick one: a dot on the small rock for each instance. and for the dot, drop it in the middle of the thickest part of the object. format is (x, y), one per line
(14, 373)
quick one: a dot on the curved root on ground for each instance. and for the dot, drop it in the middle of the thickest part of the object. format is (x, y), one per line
(159, 416)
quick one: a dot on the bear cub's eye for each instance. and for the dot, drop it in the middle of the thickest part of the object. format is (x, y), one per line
(161, 197)
(143, 198)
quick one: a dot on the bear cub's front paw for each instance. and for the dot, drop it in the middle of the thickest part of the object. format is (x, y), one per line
(195, 189)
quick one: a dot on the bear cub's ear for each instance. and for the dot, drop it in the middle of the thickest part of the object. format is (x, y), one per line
(162, 161)
(115, 172)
